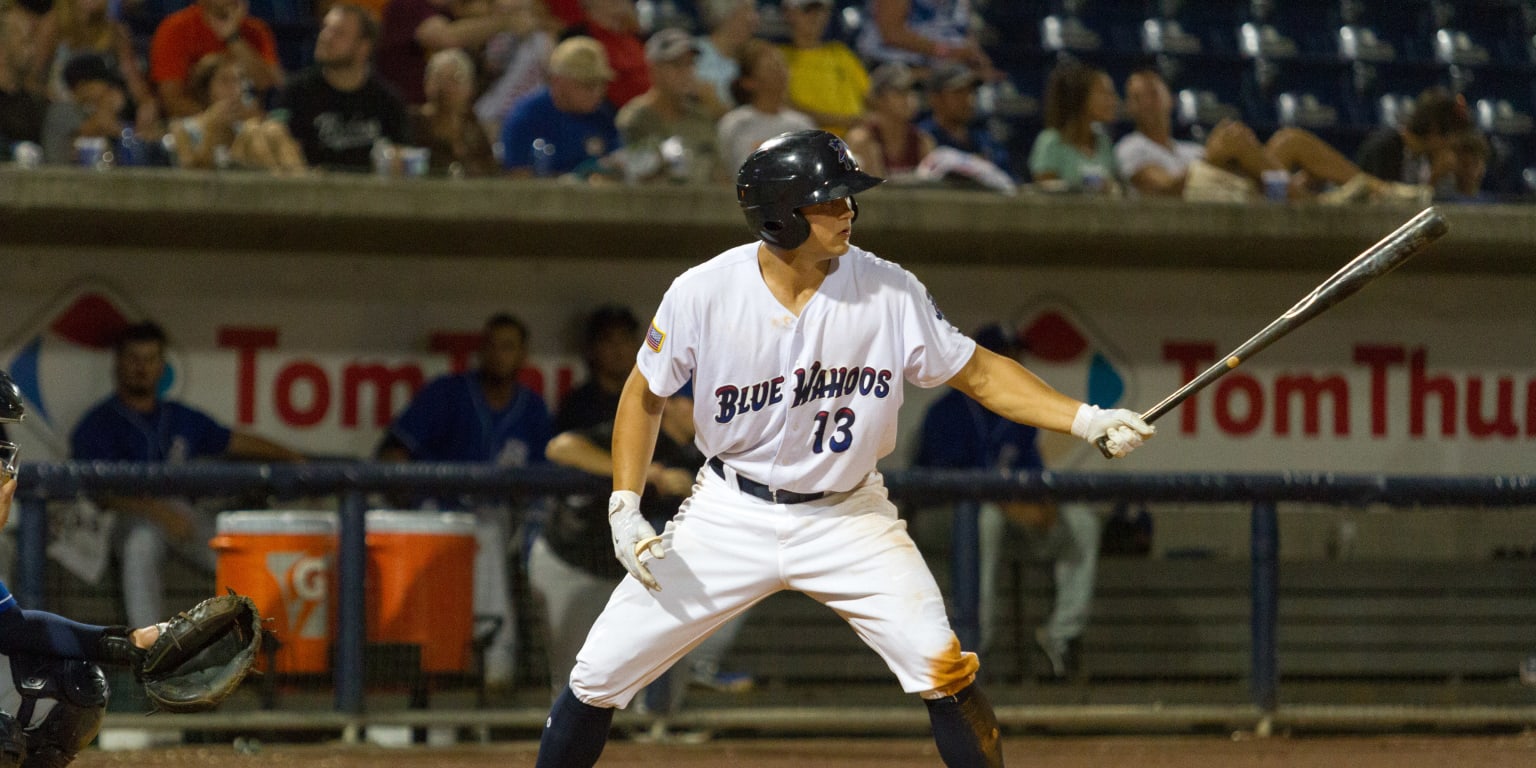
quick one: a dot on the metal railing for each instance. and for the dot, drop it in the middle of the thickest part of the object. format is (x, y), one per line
(352, 482)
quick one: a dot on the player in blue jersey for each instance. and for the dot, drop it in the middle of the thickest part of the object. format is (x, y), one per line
(483, 415)
(136, 424)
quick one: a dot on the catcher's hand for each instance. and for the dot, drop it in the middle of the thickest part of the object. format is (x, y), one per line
(202, 654)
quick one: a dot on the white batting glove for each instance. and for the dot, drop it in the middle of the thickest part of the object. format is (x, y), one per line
(632, 536)
(1123, 431)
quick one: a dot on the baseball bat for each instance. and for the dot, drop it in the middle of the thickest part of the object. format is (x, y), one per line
(1378, 260)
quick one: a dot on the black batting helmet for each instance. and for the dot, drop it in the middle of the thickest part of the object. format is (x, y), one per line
(791, 171)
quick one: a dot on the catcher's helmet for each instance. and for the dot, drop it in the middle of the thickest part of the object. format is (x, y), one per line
(11, 408)
(791, 171)
(11, 411)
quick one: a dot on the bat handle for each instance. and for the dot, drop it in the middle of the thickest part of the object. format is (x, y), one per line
(1149, 417)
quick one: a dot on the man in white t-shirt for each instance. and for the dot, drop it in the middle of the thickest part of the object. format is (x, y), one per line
(798, 346)
(1233, 162)
(1154, 163)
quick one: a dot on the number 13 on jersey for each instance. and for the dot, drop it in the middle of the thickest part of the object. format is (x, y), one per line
(841, 431)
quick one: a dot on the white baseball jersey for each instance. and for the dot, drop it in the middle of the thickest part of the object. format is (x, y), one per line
(808, 403)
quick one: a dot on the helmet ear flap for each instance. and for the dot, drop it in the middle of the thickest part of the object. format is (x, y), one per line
(786, 232)
(854, 204)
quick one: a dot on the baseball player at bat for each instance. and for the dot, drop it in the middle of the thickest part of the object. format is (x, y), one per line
(798, 345)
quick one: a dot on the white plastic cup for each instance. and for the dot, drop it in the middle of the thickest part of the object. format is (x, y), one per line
(90, 151)
(383, 155)
(414, 161)
(1093, 178)
(1277, 185)
(27, 154)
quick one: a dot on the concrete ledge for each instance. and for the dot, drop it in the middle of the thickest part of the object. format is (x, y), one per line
(235, 211)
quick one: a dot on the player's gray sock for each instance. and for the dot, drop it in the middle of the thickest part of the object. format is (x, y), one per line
(965, 729)
(574, 734)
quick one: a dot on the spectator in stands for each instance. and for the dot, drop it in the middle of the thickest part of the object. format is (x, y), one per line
(922, 33)
(1075, 148)
(232, 130)
(136, 424)
(21, 111)
(514, 62)
(731, 24)
(887, 143)
(99, 108)
(485, 416)
(1419, 151)
(567, 126)
(957, 433)
(446, 124)
(210, 26)
(413, 30)
(762, 90)
(826, 80)
(1231, 164)
(1471, 152)
(83, 26)
(339, 108)
(673, 123)
(951, 92)
(616, 26)
(610, 337)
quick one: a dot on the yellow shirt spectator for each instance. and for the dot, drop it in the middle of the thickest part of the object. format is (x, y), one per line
(829, 84)
(826, 79)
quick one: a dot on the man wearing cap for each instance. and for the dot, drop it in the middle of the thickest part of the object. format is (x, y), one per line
(568, 125)
(887, 142)
(210, 26)
(952, 97)
(826, 79)
(674, 121)
(339, 108)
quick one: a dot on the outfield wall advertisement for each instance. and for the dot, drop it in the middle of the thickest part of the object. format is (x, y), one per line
(1423, 372)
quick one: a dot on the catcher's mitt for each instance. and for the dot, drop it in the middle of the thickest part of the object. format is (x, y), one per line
(202, 654)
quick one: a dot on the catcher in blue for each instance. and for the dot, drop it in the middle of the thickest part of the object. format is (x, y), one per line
(798, 345)
(53, 694)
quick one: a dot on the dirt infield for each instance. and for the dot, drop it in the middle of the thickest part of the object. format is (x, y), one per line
(1494, 751)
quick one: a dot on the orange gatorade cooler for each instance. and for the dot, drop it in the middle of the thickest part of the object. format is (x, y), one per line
(284, 560)
(421, 584)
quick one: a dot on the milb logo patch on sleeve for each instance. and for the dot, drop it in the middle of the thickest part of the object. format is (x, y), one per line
(654, 337)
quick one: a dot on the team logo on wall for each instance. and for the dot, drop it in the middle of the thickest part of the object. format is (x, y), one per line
(61, 360)
(1075, 358)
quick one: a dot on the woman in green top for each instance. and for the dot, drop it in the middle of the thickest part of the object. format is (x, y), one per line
(1074, 150)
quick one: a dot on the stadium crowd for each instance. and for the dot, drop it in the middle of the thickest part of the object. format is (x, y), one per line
(966, 93)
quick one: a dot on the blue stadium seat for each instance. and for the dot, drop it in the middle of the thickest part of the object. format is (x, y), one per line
(1307, 93)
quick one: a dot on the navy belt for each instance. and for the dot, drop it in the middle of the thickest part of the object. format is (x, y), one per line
(754, 488)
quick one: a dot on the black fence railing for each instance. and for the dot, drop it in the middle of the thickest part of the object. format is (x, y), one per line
(351, 482)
